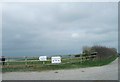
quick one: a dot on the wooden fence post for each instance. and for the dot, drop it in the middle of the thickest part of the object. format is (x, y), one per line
(7, 61)
(25, 60)
(81, 59)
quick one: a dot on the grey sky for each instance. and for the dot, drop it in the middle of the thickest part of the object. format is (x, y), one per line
(58, 28)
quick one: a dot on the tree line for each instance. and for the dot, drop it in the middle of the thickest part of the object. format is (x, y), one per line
(101, 52)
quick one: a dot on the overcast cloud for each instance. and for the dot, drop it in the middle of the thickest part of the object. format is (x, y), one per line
(58, 28)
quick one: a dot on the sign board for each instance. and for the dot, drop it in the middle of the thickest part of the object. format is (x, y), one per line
(43, 58)
(56, 59)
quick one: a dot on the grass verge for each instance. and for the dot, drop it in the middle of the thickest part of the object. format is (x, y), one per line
(38, 66)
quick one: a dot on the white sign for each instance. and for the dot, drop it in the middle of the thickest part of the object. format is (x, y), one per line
(56, 59)
(43, 58)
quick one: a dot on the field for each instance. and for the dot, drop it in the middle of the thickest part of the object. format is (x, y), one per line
(67, 63)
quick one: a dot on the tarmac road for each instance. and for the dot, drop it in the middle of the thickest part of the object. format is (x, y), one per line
(107, 72)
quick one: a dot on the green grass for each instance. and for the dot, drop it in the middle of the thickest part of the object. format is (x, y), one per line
(66, 64)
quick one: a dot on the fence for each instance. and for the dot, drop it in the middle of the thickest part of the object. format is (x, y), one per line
(10, 61)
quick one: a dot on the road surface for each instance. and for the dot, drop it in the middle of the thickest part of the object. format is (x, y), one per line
(107, 72)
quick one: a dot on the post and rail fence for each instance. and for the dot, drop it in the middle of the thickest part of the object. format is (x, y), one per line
(27, 60)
